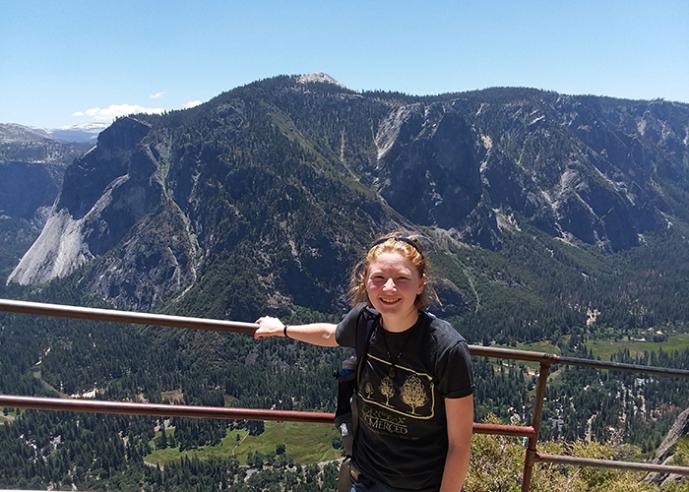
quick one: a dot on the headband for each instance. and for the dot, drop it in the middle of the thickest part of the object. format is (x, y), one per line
(398, 238)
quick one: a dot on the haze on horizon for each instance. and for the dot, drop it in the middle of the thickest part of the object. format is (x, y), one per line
(69, 63)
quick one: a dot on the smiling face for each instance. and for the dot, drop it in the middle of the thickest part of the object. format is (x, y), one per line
(393, 284)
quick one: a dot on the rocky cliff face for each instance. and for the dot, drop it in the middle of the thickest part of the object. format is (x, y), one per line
(32, 165)
(107, 210)
(666, 451)
(271, 188)
(581, 169)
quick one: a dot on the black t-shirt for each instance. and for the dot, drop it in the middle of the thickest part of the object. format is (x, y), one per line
(402, 438)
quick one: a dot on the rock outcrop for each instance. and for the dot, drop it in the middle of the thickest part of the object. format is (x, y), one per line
(113, 206)
(32, 165)
(665, 452)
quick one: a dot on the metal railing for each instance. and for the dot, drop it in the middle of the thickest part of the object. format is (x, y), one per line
(545, 360)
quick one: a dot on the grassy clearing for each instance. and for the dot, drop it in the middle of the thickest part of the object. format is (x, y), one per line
(305, 443)
(605, 348)
(11, 415)
(542, 346)
(230, 401)
(37, 374)
(175, 397)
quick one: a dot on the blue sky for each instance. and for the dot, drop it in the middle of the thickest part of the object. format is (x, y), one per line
(68, 62)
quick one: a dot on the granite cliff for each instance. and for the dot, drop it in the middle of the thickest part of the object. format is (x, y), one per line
(32, 165)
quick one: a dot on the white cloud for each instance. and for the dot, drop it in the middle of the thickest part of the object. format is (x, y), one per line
(107, 114)
(157, 95)
(113, 111)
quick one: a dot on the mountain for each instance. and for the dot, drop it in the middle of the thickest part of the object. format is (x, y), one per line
(32, 165)
(19, 143)
(285, 179)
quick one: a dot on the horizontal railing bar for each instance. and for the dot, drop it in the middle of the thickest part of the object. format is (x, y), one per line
(206, 412)
(553, 359)
(505, 353)
(626, 465)
(619, 366)
(96, 314)
(504, 430)
(64, 311)
(163, 410)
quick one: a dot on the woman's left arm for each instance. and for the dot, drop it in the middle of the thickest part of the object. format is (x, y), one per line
(460, 419)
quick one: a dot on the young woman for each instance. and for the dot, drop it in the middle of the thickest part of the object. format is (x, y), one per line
(415, 404)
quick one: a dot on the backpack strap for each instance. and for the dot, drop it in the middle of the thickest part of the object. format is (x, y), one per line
(347, 416)
(366, 325)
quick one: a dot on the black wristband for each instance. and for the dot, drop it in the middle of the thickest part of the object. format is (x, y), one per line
(284, 332)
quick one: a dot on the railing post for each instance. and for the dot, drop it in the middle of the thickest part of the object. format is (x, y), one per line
(536, 424)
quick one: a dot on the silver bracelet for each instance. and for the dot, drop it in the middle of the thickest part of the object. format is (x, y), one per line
(284, 331)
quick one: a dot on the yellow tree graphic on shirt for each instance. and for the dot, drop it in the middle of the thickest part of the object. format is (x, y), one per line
(413, 393)
(368, 390)
(387, 389)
